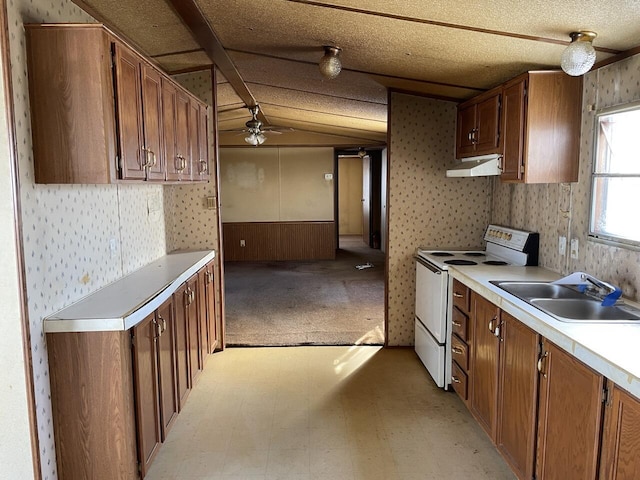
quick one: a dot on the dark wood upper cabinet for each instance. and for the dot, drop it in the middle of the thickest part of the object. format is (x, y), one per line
(478, 127)
(541, 127)
(98, 113)
(129, 114)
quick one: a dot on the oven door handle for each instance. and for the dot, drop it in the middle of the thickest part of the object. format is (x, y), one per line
(424, 263)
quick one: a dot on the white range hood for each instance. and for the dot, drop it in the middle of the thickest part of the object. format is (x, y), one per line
(481, 166)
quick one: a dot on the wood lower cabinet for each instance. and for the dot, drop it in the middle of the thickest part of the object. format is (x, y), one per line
(145, 373)
(569, 419)
(207, 282)
(485, 345)
(518, 395)
(621, 437)
(167, 374)
(99, 113)
(196, 361)
(180, 299)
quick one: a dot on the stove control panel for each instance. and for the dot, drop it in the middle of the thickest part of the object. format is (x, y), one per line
(507, 237)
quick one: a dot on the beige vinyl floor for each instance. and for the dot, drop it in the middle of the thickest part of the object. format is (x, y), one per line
(323, 413)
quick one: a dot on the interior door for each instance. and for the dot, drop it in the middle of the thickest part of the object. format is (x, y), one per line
(366, 199)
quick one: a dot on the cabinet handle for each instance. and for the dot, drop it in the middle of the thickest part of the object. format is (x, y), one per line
(455, 379)
(492, 325)
(184, 163)
(456, 324)
(187, 294)
(203, 166)
(164, 324)
(158, 332)
(540, 366)
(474, 139)
(146, 162)
(457, 350)
(458, 295)
(470, 136)
(496, 331)
(152, 163)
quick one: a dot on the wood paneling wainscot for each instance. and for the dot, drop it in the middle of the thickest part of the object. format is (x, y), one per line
(279, 241)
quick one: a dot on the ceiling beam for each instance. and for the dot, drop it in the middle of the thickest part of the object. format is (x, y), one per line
(206, 37)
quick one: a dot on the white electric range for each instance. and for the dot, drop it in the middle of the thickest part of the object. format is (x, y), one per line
(505, 247)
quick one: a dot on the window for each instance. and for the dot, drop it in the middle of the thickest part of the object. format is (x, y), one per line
(615, 183)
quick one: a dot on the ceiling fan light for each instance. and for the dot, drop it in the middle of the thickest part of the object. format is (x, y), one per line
(252, 139)
(330, 64)
(578, 58)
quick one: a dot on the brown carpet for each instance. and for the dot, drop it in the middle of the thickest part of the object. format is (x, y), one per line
(326, 302)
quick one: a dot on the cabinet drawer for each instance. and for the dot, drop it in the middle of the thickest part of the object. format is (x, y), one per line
(459, 381)
(459, 352)
(459, 324)
(461, 296)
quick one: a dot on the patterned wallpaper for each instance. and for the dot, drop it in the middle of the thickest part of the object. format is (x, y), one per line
(555, 210)
(425, 207)
(67, 228)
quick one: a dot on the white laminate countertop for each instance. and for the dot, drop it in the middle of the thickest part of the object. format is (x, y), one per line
(127, 301)
(611, 349)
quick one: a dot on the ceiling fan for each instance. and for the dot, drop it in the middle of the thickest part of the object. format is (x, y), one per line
(255, 130)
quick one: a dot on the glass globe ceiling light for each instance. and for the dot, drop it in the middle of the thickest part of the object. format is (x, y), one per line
(578, 58)
(330, 64)
(254, 127)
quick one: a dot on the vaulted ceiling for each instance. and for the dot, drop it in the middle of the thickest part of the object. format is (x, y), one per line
(268, 52)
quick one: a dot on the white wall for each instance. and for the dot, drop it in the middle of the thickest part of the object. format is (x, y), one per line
(267, 184)
(15, 441)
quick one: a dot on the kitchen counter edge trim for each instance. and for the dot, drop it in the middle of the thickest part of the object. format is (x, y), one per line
(133, 312)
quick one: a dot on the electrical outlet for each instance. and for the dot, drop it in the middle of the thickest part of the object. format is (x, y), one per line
(328, 176)
(574, 248)
(113, 247)
(243, 243)
(562, 246)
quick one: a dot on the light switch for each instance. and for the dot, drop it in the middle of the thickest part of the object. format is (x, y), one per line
(562, 246)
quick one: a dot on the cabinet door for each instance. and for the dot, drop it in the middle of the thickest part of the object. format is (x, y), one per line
(621, 437)
(167, 367)
(516, 430)
(182, 136)
(144, 338)
(465, 130)
(484, 364)
(513, 128)
(202, 316)
(210, 295)
(193, 321)
(169, 112)
(180, 298)
(203, 143)
(487, 136)
(193, 159)
(569, 419)
(129, 114)
(152, 122)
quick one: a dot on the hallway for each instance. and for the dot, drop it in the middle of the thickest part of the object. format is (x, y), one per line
(324, 413)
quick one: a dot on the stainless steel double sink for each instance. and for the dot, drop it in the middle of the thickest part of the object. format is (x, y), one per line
(568, 304)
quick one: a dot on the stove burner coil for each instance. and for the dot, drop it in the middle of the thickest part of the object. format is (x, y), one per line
(495, 262)
(475, 254)
(441, 254)
(460, 262)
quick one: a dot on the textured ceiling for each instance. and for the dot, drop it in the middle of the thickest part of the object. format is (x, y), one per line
(444, 49)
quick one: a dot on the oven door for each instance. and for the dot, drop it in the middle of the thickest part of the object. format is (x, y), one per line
(431, 299)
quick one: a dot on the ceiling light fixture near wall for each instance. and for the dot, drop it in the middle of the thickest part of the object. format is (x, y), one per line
(578, 58)
(330, 64)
